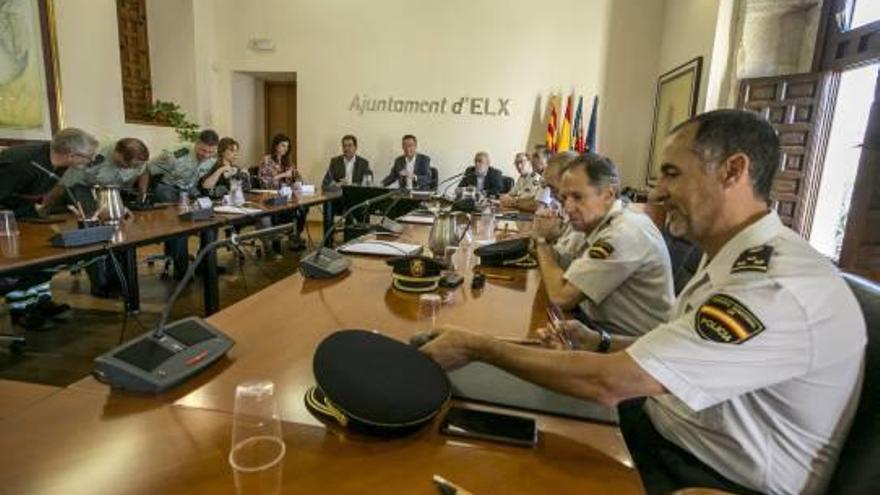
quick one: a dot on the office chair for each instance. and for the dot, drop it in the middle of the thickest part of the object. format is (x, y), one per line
(858, 467)
(507, 184)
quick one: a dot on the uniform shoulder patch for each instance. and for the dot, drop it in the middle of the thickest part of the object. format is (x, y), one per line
(600, 250)
(724, 319)
(755, 259)
(181, 152)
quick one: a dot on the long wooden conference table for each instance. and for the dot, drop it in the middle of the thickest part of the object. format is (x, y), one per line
(36, 252)
(89, 439)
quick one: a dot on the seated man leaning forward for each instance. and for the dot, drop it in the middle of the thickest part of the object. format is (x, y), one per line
(623, 280)
(752, 384)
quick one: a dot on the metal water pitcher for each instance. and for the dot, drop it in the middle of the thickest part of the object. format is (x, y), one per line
(444, 232)
(111, 209)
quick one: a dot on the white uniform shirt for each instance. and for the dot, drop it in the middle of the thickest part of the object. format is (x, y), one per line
(625, 273)
(410, 164)
(570, 245)
(762, 358)
(349, 169)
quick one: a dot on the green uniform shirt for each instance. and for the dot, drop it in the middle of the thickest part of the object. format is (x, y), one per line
(106, 173)
(181, 169)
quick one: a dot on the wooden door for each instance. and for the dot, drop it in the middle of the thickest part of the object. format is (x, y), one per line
(860, 251)
(281, 113)
(798, 108)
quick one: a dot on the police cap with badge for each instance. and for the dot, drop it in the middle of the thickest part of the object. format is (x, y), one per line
(415, 273)
(508, 253)
(373, 384)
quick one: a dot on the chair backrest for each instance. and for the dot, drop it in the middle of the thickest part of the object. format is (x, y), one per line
(858, 468)
(435, 178)
(506, 184)
(685, 257)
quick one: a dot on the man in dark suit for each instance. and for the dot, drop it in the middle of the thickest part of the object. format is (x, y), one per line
(347, 168)
(411, 170)
(483, 176)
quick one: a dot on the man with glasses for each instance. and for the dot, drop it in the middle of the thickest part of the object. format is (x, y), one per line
(25, 170)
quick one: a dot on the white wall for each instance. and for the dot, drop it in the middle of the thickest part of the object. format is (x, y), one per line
(172, 52)
(689, 28)
(630, 80)
(91, 81)
(412, 49)
(248, 116)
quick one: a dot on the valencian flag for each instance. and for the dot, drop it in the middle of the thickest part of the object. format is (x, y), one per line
(563, 141)
(591, 129)
(550, 140)
(577, 132)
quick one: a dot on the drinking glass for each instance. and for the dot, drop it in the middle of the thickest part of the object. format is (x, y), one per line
(8, 226)
(429, 305)
(257, 445)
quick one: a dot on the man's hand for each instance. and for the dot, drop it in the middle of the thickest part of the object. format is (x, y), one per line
(407, 173)
(546, 224)
(453, 347)
(580, 335)
(507, 201)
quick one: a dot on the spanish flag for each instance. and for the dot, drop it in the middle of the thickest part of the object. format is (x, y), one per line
(550, 140)
(563, 141)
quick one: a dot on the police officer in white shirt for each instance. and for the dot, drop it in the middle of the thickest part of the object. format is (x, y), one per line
(550, 221)
(753, 381)
(622, 282)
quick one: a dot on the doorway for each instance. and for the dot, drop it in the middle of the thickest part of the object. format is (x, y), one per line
(280, 111)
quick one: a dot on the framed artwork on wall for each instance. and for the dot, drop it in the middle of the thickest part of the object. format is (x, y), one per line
(30, 103)
(676, 101)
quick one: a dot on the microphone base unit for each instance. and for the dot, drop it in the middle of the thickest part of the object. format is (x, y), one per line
(151, 364)
(198, 215)
(276, 201)
(324, 263)
(83, 236)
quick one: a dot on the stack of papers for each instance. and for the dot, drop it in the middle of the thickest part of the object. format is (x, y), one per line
(236, 210)
(507, 225)
(381, 248)
(426, 220)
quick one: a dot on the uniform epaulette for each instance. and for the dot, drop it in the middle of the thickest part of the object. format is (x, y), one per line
(755, 259)
(600, 250)
(181, 152)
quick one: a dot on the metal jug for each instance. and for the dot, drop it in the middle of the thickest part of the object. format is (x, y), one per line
(111, 209)
(444, 233)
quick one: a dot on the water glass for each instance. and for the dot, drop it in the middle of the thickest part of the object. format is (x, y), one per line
(8, 226)
(257, 444)
(367, 180)
(429, 305)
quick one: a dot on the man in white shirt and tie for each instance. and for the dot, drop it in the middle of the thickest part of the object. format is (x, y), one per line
(412, 170)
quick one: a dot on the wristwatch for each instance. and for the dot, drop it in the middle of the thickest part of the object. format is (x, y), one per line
(604, 342)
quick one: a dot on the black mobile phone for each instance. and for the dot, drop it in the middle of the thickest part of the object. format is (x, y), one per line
(471, 423)
(451, 280)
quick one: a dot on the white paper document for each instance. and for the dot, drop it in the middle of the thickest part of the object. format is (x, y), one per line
(381, 248)
(236, 210)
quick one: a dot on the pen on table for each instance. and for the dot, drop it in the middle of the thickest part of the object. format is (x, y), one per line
(559, 330)
(520, 341)
(447, 487)
(497, 277)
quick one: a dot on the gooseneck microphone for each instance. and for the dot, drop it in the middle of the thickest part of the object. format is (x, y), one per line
(172, 353)
(328, 263)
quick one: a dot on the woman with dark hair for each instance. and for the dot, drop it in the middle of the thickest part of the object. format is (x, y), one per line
(276, 169)
(217, 181)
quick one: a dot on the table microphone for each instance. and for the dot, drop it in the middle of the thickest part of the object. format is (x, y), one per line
(448, 180)
(172, 353)
(328, 263)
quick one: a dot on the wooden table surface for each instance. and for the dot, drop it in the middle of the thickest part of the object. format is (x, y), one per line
(35, 249)
(16, 396)
(90, 439)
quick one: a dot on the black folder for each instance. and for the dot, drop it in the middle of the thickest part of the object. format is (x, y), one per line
(481, 382)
